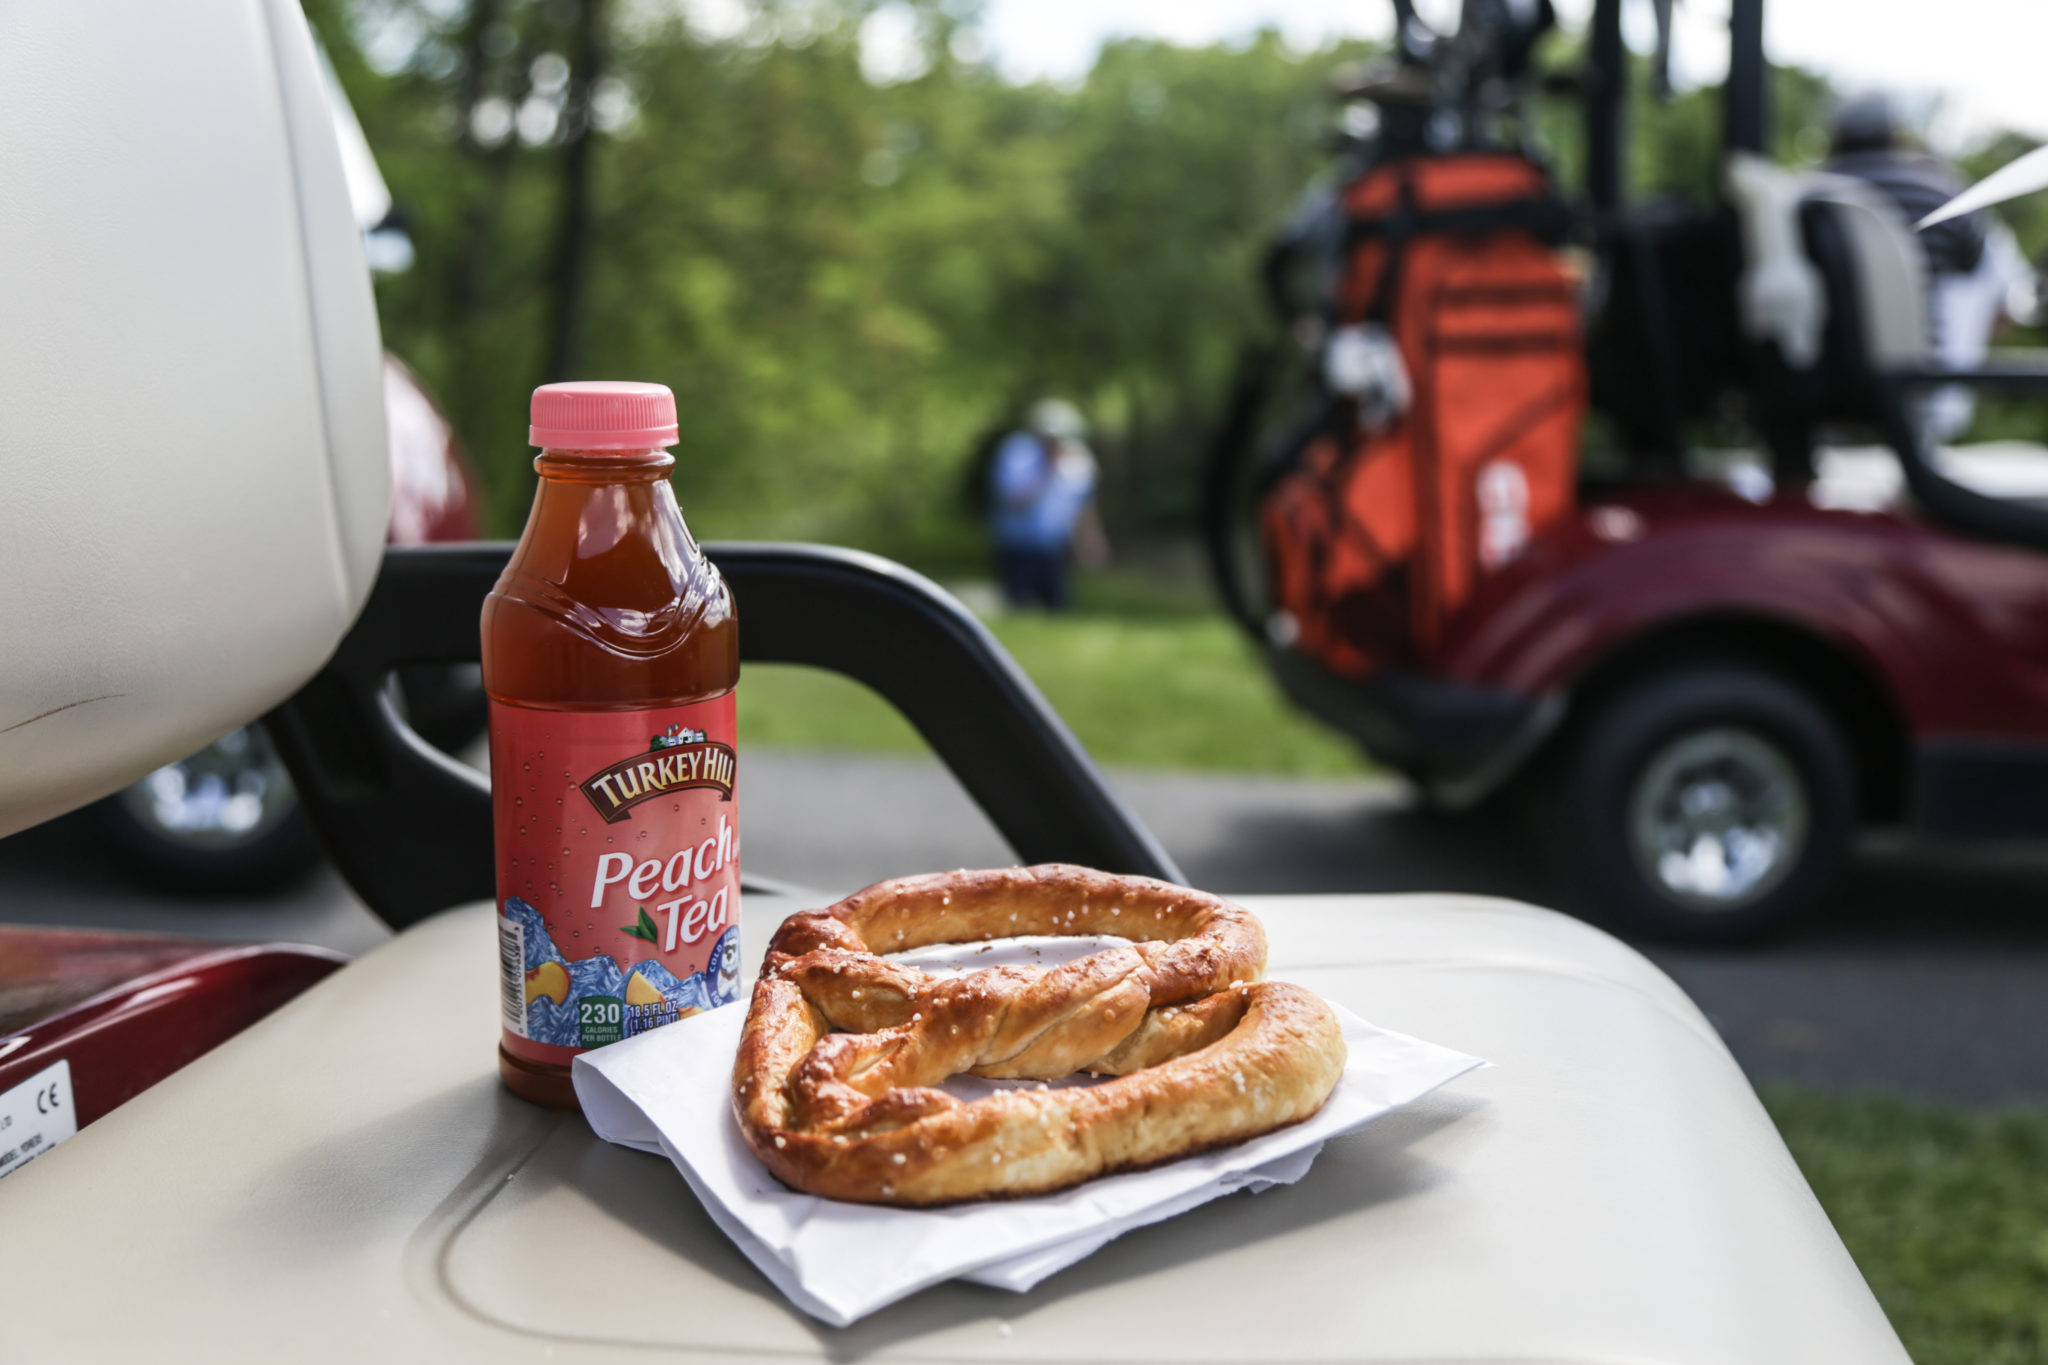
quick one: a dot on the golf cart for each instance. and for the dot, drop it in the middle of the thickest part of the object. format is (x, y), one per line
(1700, 675)
(346, 1179)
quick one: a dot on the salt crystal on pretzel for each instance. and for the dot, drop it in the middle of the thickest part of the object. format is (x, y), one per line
(835, 1082)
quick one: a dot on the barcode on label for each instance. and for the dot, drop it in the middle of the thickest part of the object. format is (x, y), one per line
(512, 972)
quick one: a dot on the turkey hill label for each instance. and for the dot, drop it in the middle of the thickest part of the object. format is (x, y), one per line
(680, 759)
(610, 927)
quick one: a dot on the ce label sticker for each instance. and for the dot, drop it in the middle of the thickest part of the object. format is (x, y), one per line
(35, 1116)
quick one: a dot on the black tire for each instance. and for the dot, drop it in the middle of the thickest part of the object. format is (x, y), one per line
(280, 851)
(1757, 744)
(276, 859)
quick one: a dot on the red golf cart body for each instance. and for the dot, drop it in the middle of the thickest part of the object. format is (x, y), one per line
(1932, 647)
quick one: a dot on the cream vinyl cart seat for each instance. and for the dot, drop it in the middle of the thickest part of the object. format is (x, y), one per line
(347, 1181)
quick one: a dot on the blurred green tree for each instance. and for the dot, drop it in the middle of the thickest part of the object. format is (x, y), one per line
(854, 274)
(849, 279)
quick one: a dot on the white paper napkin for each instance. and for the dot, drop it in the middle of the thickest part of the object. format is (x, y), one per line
(669, 1092)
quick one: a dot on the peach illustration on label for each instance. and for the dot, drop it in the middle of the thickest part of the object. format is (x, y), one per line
(550, 979)
(640, 992)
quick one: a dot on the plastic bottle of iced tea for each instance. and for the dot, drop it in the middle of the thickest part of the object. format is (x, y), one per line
(610, 653)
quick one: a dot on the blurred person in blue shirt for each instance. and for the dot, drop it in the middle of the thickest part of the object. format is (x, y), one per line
(1040, 484)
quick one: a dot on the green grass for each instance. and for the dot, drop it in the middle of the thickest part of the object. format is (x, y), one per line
(1945, 1211)
(801, 708)
(1167, 689)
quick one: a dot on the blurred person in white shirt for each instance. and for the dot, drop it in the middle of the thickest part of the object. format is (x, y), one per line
(1974, 266)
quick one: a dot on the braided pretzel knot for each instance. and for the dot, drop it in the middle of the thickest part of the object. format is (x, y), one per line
(835, 1082)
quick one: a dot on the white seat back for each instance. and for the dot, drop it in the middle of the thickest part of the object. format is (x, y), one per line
(1891, 273)
(193, 481)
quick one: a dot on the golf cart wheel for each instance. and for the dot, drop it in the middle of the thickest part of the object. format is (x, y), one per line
(223, 819)
(1711, 804)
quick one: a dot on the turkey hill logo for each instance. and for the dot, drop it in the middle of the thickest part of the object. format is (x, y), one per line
(679, 759)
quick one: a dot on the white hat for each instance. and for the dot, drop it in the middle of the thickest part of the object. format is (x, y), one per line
(1057, 419)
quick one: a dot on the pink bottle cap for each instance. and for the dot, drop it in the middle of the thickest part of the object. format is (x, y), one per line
(603, 415)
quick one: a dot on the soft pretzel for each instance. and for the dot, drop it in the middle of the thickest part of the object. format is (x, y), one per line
(835, 1082)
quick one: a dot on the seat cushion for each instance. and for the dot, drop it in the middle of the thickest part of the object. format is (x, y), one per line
(347, 1180)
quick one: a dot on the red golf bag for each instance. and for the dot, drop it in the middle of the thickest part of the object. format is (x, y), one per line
(1377, 536)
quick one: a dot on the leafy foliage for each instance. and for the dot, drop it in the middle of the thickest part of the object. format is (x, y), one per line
(854, 285)
(848, 284)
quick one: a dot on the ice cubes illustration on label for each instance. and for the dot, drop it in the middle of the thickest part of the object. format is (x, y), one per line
(592, 1001)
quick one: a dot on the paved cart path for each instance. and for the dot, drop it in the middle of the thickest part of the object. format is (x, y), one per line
(1930, 976)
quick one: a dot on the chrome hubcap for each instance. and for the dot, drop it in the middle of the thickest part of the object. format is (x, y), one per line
(1718, 818)
(232, 792)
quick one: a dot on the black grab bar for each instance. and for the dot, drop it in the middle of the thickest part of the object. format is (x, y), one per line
(410, 827)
